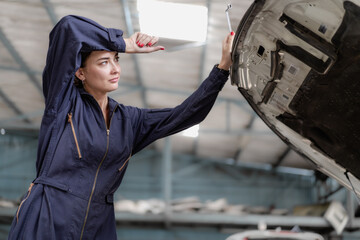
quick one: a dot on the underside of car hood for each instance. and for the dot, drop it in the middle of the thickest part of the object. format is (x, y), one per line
(298, 63)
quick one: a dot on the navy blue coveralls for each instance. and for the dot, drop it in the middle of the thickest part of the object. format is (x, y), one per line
(80, 162)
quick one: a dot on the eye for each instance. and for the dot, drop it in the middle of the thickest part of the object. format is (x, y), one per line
(117, 59)
(103, 62)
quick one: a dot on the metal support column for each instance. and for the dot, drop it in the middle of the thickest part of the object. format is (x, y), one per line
(350, 208)
(130, 31)
(167, 179)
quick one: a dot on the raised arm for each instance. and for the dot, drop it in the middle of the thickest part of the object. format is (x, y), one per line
(73, 35)
(151, 125)
(70, 36)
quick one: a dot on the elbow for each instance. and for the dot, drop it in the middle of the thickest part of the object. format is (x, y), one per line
(61, 26)
(66, 23)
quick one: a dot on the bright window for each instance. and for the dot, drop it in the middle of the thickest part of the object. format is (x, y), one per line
(192, 132)
(173, 20)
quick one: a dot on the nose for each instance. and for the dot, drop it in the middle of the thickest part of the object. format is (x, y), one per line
(115, 67)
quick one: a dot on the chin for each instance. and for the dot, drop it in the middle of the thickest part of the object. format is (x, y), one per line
(113, 87)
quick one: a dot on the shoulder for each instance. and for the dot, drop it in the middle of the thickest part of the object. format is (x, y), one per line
(130, 111)
(123, 111)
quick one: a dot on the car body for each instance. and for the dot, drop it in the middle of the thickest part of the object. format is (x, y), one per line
(274, 235)
(297, 63)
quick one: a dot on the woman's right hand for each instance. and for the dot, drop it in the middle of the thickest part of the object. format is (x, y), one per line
(142, 43)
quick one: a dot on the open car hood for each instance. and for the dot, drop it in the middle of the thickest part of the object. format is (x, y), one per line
(297, 63)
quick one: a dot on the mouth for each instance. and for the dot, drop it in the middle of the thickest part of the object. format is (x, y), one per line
(114, 80)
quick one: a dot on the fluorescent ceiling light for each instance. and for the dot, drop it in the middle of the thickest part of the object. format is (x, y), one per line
(173, 20)
(192, 132)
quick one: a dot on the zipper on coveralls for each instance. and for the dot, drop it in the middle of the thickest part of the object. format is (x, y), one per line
(22, 202)
(120, 169)
(97, 173)
(74, 134)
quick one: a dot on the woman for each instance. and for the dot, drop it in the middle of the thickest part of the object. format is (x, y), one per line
(86, 139)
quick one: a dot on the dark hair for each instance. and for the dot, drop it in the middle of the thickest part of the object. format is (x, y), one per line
(84, 56)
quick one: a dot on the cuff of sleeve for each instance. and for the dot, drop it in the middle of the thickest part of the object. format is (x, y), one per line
(219, 77)
(116, 39)
(223, 71)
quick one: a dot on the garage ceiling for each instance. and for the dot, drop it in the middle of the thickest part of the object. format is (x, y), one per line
(232, 131)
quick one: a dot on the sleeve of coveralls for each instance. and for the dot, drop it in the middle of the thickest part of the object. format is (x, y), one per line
(71, 36)
(152, 124)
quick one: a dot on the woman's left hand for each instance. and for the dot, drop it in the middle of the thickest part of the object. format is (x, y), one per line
(226, 60)
(142, 43)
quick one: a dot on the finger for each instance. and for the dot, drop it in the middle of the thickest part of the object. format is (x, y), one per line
(134, 40)
(153, 49)
(142, 40)
(147, 40)
(135, 37)
(153, 41)
(139, 36)
(228, 41)
(230, 37)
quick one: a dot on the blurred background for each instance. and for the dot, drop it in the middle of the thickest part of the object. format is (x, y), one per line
(226, 175)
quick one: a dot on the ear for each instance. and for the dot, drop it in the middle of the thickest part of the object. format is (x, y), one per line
(80, 74)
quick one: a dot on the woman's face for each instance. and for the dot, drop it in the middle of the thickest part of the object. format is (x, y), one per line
(101, 72)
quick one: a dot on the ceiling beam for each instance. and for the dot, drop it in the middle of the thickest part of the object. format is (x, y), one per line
(51, 11)
(282, 157)
(16, 56)
(17, 69)
(13, 106)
